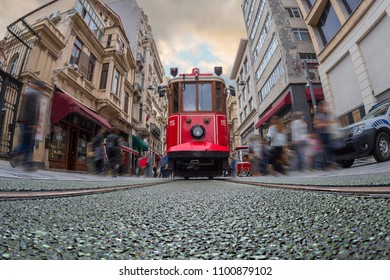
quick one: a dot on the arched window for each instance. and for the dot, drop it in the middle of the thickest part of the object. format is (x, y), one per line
(13, 64)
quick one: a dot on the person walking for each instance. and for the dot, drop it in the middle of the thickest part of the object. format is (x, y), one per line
(99, 150)
(323, 123)
(298, 140)
(113, 151)
(28, 120)
(278, 141)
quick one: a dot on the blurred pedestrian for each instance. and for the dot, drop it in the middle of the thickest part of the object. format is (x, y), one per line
(278, 142)
(323, 123)
(113, 151)
(99, 150)
(233, 166)
(28, 120)
(315, 157)
(264, 162)
(298, 140)
(164, 166)
(255, 154)
(148, 167)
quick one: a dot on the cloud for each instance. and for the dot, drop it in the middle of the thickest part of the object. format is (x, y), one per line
(217, 24)
(188, 33)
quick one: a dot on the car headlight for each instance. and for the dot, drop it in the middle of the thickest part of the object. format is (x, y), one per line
(198, 132)
(356, 130)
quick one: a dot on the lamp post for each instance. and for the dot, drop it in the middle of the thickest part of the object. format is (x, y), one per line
(310, 86)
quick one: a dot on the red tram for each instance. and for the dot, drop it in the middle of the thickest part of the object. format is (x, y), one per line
(197, 130)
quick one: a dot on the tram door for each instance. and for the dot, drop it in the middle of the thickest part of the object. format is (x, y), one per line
(72, 150)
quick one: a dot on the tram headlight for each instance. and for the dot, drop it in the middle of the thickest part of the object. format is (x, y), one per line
(198, 132)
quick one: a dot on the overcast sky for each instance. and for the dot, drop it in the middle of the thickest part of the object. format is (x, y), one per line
(189, 33)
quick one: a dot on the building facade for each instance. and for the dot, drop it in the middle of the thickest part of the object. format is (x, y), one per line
(270, 73)
(81, 51)
(150, 110)
(351, 39)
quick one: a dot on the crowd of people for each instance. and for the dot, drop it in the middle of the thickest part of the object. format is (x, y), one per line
(292, 146)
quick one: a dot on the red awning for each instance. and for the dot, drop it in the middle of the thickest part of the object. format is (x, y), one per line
(127, 149)
(63, 104)
(318, 94)
(274, 109)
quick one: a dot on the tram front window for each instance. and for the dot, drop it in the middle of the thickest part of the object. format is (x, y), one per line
(189, 98)
(205, 97)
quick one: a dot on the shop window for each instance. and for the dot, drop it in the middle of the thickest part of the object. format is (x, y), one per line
(82, 147)
(57, 149)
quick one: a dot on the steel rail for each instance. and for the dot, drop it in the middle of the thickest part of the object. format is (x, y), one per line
(28, 195)
(363, 190)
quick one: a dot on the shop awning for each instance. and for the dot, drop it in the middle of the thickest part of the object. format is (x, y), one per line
(63, 104)
(318, 94)
(128, 150)
(274, 109)
(139, 145)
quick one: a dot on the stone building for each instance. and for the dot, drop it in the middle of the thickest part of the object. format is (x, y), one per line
(81, 51)
(150, 110)
(351, 41)
(269, 67)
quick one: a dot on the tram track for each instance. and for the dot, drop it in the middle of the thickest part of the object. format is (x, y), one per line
(41, 194)
(382, 191)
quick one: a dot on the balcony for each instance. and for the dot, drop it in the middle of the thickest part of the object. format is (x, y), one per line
(140, 60)
(155, 130)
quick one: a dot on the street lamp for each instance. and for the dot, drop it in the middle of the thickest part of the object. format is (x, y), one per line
(59, 70)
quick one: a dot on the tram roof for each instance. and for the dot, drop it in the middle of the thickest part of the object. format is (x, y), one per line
(190, 78)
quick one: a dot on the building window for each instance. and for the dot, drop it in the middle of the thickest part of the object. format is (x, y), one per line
(75, 56)
(267, 57)
(263, 35)
(351, 5)
(309, 57)
(115, 82)
(13, 64)
(240, 101)
(294, 12)
(251, 9)
(140, 112)
(257, 20)
(246, 135)
(103, 78)
(310, 3)
(126, 108)
(90, 17)
(91, 67)
(109, 38)
(271, 82)
(329, 24)
(241, 118)
(301, 34)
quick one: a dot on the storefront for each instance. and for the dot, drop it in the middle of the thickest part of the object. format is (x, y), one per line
(73, 126)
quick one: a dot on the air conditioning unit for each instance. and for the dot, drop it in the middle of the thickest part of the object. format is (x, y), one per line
(55, 17)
